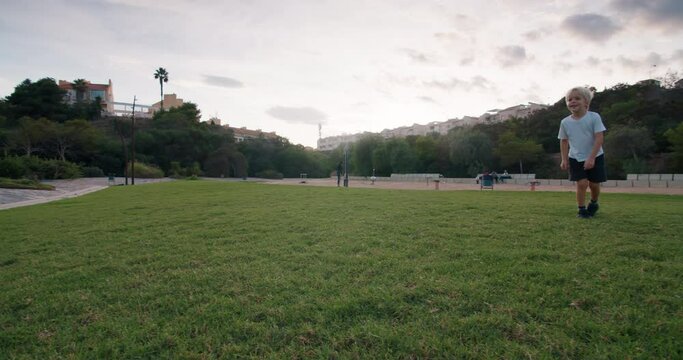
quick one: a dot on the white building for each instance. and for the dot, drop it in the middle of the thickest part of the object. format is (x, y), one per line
(491, 116)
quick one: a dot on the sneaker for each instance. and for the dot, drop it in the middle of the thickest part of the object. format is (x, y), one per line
(583, 214)
(592, 208)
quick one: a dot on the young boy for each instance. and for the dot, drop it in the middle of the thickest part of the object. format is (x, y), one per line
(581, 136)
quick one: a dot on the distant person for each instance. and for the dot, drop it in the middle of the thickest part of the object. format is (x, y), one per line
(581, 137)
(339, 172)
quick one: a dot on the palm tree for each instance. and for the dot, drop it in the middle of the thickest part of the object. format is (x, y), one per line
(162, 75)
(80, 85)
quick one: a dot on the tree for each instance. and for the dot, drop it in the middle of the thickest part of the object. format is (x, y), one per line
(401, 156)
(512, 150)
(623, 142)
(627, 148)
(71, 135)
(32, 133)
(361, 154)
(80, 86)
(39, 99)
(426, 152)
(162, 75)
(470, 152)
(675, 137)
(225, 162)
(669, 79)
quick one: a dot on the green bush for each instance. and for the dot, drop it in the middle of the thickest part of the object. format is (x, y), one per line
(58, 169)
(92, 171)
(12, 167)
(146, 171)
(32, 167)
(270, 174)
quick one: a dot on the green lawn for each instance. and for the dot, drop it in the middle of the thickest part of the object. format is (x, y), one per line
(201, 269)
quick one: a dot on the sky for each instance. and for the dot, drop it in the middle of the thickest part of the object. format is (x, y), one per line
(347, 65)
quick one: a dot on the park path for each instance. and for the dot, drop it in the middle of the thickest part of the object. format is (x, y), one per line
(446, 186)
(64, 189)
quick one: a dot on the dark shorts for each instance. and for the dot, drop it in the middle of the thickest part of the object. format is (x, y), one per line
(597, 174)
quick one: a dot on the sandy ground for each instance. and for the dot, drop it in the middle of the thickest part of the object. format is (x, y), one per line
(473, 186)
(11, 198)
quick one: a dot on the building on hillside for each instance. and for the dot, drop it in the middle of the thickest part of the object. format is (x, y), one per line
(492, 116)
(170, 101)
(214, 121)
(122, 109)
(517, 111)
(242, 134)
(332, 142)
(105, 92)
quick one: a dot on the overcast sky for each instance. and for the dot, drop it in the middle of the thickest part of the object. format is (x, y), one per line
(350, 65)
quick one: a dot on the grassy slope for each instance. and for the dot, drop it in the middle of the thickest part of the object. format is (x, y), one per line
(204, 269)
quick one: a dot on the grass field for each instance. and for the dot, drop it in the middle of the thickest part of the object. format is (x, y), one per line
(200, 269)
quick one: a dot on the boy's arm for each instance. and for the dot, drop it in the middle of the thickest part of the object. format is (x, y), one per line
(597, 144)
(564, 150)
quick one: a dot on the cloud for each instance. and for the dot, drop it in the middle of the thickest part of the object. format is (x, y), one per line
(417, 56)
(427, 99)
(467, 61)
(629, 63)
(677, 55)
(665, 14)
(303, 115)
(533, 35)
(511, 55)
(592, 27)
(593, 61)
(222, 81)
(476, 82)
(651, 60)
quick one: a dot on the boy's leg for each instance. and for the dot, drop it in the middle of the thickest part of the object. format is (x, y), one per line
(595, 177)
(581, 188)
(595, 190)
(595, 193)
(578, 173)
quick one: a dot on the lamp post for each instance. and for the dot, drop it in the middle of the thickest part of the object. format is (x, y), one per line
(132, 140)
(346, 165)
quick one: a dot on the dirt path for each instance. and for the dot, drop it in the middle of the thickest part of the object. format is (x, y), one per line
(473, 186)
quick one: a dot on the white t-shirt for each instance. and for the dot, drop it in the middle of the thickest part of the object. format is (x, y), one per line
(581, 134)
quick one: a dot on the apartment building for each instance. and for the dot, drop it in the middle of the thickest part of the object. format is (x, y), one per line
(91, 92)
(170, 101)
(491, 116)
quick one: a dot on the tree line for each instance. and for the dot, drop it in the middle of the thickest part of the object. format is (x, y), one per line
(42, 136)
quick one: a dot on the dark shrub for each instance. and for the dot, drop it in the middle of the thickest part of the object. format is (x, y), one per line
(146, 171)
(92, 171)
(58, 169)
(12, 167)
(270, 174)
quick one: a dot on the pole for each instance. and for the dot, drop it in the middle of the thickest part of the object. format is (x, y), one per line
(346, 165)
(132, 140)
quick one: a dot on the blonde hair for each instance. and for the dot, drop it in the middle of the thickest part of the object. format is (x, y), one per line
(585, 92)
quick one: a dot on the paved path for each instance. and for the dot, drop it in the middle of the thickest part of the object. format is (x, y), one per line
(11, 198)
